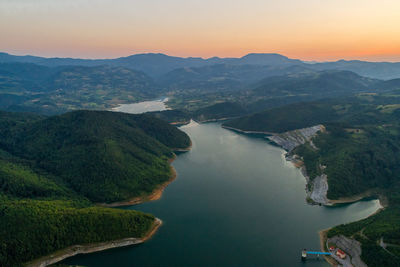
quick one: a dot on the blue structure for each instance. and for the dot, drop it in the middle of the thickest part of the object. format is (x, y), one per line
(305, 252)
(318, 253)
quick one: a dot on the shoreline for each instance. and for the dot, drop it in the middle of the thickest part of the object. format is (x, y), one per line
(154, 195)
(352, 199)
(70, 251)
(246, 132)
(383, 201)
(186, 149)
(74, 250)
(216, 120)
(179, 123)
(183, 123)
(342, 200)
(322, 241)
(323, 233)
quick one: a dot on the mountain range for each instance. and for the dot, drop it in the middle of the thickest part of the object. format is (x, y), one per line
(157, 65)
(255, 82)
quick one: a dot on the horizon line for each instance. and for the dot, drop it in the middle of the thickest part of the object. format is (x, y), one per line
(195, 57)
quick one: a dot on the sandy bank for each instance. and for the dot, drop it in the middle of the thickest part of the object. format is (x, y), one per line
(93, 247)
(369, 193)
(157, 192)
(322, 241)
(179, 123)
(186, 149)
(155, 195)
(323, 233)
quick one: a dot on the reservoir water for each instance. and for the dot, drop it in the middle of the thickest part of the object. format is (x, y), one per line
(235, 202)
(141, 107)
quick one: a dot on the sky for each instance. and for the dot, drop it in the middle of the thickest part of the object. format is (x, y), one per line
(320, 30)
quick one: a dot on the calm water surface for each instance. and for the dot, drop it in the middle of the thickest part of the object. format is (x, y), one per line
(236, 202)
(141, 107)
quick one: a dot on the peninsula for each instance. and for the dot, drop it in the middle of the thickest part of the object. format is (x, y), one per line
(54, 169)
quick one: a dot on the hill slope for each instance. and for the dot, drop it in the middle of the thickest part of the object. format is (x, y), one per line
(31, 87)
(104, 156)
(53, 169)
(326, 83)
(222, 77)
(358, 153)
(286, 118)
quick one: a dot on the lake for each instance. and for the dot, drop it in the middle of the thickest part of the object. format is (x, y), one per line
(236, 202)
(141, 107)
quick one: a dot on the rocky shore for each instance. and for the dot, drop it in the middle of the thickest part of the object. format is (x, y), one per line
(292, 139)
(320, 190)
(316, 189)
(350, 246)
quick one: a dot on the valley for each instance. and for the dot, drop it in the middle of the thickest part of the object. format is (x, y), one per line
(67, 156)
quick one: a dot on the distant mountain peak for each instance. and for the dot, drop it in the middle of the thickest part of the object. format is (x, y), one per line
(264, 55)
(159, 64)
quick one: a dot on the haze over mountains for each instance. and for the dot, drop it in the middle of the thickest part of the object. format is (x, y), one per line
(153, 64)
(156, 65)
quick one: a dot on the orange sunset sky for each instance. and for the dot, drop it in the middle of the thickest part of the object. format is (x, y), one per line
(307, 29)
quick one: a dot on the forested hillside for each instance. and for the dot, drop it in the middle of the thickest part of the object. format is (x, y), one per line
(222, 77)
(32, 228)
(359, 153)
(105, 156)
(285, 118)
(379, 234)
(326, 83)
(360, 109)
(53, 169)
(355, 159)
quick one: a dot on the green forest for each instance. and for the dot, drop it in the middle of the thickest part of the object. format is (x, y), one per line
(384, 226)
(359, 152)
(54, 169)
(356, 159)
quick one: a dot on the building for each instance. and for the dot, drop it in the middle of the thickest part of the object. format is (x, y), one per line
(340, 253)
